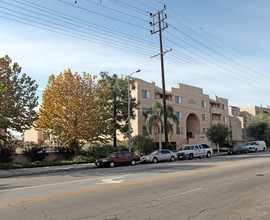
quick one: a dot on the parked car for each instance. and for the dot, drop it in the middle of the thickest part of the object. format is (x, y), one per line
(199, 150)
(159, 155)
(118, 158)
(238, 150)
(256, 146)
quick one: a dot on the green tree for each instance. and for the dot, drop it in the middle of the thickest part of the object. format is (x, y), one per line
(143, 145)
(17, 98)
(157, 118)
(218, 134)
(258, 127)
(73, 109)
(118, 105)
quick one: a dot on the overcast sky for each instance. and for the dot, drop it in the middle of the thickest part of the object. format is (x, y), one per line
(221, 46)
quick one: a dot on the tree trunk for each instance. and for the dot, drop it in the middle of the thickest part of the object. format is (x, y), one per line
(217, 148)
(114, 124)
(160, 138)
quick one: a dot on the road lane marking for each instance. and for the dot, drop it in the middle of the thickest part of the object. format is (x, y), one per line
(178, 194)
(112, 180)
(262, 173)
(116, 186)
(67, 182)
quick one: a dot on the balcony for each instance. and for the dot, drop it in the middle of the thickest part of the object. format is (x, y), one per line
(217, 111)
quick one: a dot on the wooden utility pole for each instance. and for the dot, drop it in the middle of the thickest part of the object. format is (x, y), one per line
(158, 19)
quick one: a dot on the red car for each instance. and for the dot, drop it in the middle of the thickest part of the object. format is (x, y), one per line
(118, 158)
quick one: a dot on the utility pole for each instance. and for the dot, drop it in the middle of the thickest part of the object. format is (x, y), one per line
(158, 19)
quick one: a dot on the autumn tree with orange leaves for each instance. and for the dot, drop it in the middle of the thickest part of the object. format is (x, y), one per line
(73, 109)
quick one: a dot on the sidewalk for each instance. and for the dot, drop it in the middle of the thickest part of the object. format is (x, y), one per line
(43, 170)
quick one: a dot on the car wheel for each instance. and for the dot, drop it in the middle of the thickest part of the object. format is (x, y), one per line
(208, 155)
(255, 150)
(112, 164)
(191, 156)
(155, 160)
(133, 162)
(264, 149)
(172, 159)
(247, 152)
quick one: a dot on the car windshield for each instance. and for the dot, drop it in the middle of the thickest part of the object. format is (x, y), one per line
(251, 143)
(155, 152)
(188, 148)
(113, 155)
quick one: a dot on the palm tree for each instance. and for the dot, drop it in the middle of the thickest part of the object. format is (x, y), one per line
(157, 118)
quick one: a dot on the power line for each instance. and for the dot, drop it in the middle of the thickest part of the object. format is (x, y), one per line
(72, 34)
(117, 11)
(216, 38)
(100, 14)
(78, 20)
(233, 67)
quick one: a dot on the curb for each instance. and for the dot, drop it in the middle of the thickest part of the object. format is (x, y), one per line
(43, 170)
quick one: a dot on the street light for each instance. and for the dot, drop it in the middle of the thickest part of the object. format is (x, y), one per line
(129, 148)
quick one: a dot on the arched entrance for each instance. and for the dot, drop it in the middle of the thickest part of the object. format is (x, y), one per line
(193, 126)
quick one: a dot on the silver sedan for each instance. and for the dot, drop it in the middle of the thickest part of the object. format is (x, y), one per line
(159, 155)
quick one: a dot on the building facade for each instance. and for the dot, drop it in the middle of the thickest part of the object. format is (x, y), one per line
(36, 136)
(237, 125)
(195, 110)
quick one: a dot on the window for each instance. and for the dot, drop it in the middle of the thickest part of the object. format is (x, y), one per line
(179, 115)
(224, 119)
(145, 130)
(146, 112)
(204, 117)
(179, 130)
(224, 107)
(234, 112)
(164, 151)
(159, 96)
(127, 154)
(146, 94)
(215, 118)
(204, 104)
(178, 99)
(204, 130)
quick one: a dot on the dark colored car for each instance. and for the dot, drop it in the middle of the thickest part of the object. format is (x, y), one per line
(238, 150)
(118, 158)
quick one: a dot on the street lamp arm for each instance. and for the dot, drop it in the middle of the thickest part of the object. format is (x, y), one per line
(129, 147)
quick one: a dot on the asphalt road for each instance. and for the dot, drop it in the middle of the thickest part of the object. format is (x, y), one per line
(222, 187)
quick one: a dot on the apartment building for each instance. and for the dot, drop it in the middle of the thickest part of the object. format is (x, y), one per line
(195, 110)
(237, 125)
(247, 112)
(35, 136)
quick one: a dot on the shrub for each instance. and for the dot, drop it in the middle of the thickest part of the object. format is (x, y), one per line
(67, 152)
(82, 159)
(98, 150)
(6, 153)
(36, 153)
(143, 145)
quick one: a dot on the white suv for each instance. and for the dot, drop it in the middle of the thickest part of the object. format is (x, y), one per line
(256, 146)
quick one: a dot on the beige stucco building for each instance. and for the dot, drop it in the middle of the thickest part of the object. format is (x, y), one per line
(195, 110)
(237, 125)
(247, 112)
(36, 136)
